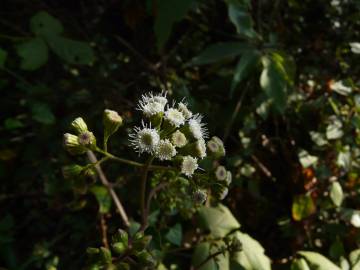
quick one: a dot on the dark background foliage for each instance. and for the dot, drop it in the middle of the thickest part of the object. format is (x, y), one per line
(111, 52)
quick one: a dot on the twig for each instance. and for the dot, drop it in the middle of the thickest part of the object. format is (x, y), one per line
(235, 113)
(143, 193)
(103, 228)
(262, 167)
(106, 183)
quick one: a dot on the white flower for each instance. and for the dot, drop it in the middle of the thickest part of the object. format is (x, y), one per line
(184, 109)
(228, 179)
(197, 129)
(213, 146)
(178, 139)
(220, 173)
(144, 139)
(200, 148)
(340, 88)
(200, 196)
(152, 104)
(175, 117)
(355, 47)
(224, 193)
(189, 165)
(355, 220)
(165, 150)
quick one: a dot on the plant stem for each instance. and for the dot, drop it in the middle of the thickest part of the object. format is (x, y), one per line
(143, 193)
(106, 183)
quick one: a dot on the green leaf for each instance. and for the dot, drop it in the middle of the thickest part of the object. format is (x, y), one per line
(42, 23)
(174, 235)
(201, 253)
(219, 51)
(218, 220)
(72, 51)
(334, 129)
(12, 123)
(169, 12)
(273, 83)
(336, 193)
(42, 113)
(302, 207)
(344, 158)
(318, 261)
(3, 56)
(306, 159)
(299, 264)
(34, 53)
(252, 256)
(103, 197)
(242, 20)
(246, 64)
(354, 258)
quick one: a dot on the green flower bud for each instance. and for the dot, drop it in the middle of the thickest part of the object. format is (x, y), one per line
(92, 251)
(216, 147)
(220, 173)
(178, 139)
(228, 179)
(87, 139)
(105, 255)
(71, 171)
(112, 121)
(119, 247)
(121, 236)
(79, 125)
(72, 145)
(146, 258)
(199, 196)
(196, 149)
(89, 171)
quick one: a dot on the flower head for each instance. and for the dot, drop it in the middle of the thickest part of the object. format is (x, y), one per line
(228, 179)
(152, 104)
(216, 146)
(189, 165)
(197, 128)
(112, 121)
(199, 196)
(178, 139)
(224, 192)
(79, 125)
(145, 139)
(165, 150)
(175, 117)
(87, 138)
(182, 107)
(72, 145)
(220, 173)
(200, 148)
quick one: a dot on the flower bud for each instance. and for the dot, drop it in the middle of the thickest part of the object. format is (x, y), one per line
(119, 247)
(79, 125)
(112, 121)
(71, 171)
(178, 139)
(223, 193)
(146, 258)
(121, 236)
(221, 173)
(199, 196)
(72, 145)
(228, 179)
(92, 251)
(216, 147)
(87, 139)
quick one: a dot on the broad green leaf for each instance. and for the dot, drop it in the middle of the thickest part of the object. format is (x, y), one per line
(219, 51)
(134, 227)
(306, 159)
(201, 253)
(103, 198)
(302, 207)
(274, 84)
(354, 258)
(336, 193)
(242, 20)
(218, 220)
(169, 12)
(252, 256)
(3, 56)
(12, 123)
(42, 113)
(336, 249)
(72, 51)
(334, 129)
(42, 23)
(299, 264)
(318, 261)
(34, 53)
(246, 64)
(174, 235)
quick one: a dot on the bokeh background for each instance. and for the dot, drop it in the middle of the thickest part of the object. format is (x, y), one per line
(278, 81)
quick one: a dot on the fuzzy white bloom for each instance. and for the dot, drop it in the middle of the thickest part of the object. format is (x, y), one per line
(355, 220)
(165, 150)
(175, 117)
(184, 109)
(189, 165)
(220, 173)
(197, 128)
(224, 193)
(152, 104)
(144, 139)
(200, 148)
(178, 139)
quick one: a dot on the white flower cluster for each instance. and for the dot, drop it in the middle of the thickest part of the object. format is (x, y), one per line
(173, 133)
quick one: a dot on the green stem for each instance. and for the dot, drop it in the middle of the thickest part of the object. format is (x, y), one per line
(143, 193)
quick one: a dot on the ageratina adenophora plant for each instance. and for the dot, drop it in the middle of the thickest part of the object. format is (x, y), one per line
(183, 161)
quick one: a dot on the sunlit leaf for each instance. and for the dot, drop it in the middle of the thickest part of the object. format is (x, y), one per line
(302, 207)
(103, 197)
(318, 261)
(354, 258)
(299, 264)
(334, 129)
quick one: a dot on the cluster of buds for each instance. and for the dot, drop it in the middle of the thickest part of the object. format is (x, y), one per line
(170, 132)
(224, 178)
